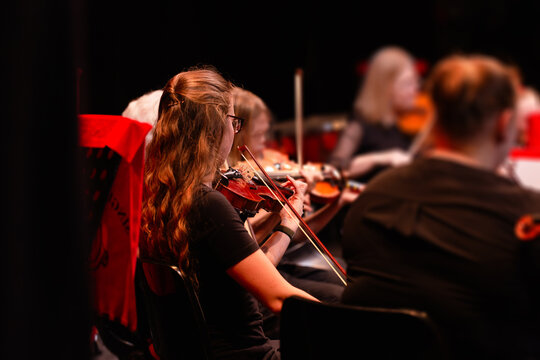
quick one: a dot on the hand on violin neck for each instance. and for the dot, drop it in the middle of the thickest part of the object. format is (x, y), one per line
(299, 187)
(311, 177)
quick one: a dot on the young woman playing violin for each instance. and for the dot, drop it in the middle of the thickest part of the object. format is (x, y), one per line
(188, 223)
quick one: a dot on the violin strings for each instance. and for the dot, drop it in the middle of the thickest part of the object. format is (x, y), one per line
(294, 219)
(298, 216)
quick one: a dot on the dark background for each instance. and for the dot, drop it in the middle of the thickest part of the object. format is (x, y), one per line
(136, 48)
(119, 50)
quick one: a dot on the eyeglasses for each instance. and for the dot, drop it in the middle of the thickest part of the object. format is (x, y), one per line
(237, 123)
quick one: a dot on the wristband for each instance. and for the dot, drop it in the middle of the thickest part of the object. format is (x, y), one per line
(289, 232)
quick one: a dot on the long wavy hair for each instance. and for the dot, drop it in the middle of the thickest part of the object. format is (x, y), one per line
(183, 151)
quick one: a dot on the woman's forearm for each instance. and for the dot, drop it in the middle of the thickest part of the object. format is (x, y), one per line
(263, 223)
(275, 247)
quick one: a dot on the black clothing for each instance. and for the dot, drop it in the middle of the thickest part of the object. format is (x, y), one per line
(439, 236)
(366, 137)
(322, 284)
(230, 244)
(377, 137)
(218, 240)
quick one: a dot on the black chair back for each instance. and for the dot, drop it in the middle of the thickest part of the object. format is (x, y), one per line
(174, 315)
(313, 330)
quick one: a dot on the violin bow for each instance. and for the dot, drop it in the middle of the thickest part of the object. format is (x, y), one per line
(317, 244)
(298, 76)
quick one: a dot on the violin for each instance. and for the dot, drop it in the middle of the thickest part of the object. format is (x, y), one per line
(330, 188)
(411, 122)
(278, 167)
(327, 191)
(247, 196)
(310, 235)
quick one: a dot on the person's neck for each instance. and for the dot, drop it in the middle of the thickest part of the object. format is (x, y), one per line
(209, 179)
(473, 156)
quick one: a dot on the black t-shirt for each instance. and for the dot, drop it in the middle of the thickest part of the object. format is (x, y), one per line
(218, 240)
(365, 137)
(439, 236)
(376, 137)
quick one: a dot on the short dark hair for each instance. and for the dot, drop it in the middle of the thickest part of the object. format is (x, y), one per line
(467, 91)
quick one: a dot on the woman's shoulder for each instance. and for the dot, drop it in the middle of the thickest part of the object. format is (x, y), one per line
(212, 200)
(211, 211)
(221, 228)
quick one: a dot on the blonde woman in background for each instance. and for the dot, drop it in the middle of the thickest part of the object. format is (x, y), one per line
(372, 139)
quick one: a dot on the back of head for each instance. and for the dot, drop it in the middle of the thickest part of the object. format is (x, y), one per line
(248, 106)
(192, 111)
(183, 151)
(374, 99)
(468, 92)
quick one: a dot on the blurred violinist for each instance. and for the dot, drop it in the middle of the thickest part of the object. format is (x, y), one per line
(438, 235)
(188, 223)
(372, 139)
(257, 120)
(318, 281)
